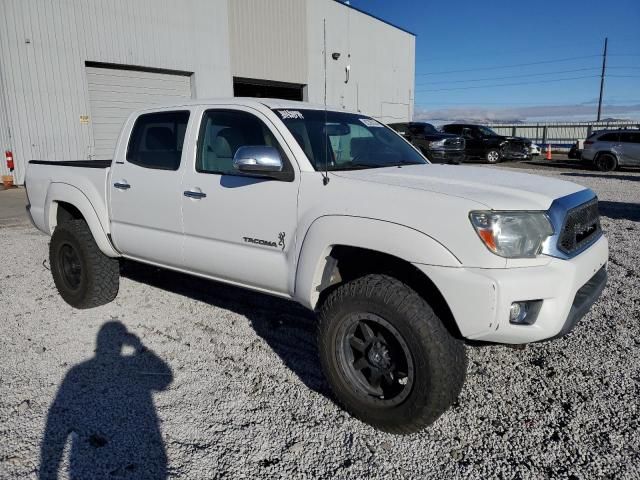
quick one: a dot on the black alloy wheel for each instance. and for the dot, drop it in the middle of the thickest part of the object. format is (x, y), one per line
(375, 359)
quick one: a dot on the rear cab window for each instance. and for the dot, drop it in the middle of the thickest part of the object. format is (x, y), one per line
(157, 139)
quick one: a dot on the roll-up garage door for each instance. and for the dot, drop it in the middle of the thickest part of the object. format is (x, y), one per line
(114, 93)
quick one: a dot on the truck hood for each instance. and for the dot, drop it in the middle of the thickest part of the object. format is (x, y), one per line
(497, 189)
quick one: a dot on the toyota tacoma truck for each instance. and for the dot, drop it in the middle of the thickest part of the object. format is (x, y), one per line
(403, 260)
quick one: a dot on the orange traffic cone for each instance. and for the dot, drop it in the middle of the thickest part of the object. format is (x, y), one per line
(548, 153)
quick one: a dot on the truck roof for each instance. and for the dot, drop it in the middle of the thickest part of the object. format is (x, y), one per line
(273, 103)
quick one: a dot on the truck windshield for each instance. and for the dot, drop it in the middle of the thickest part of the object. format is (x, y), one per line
(347, 141)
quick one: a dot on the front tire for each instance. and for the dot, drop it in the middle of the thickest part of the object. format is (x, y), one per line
(84, 276)
(492, 156)
(387, 356)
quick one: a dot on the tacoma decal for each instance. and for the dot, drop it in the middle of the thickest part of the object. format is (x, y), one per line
(258, 241)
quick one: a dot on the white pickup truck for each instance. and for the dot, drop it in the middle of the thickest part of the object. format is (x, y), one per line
(403, 260)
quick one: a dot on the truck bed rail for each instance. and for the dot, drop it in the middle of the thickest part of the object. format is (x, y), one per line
(75, 163)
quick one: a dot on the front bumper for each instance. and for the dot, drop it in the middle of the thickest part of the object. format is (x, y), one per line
(516, 155)
(480, 299)
(446, 156)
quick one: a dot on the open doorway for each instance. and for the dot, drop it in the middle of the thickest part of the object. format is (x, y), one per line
(250, 87)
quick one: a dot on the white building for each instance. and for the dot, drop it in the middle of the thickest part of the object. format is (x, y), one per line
(72, 70)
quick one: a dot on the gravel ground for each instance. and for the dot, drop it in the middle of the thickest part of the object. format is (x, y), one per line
(217, 382)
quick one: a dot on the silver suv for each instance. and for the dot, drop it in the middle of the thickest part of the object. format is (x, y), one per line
(610, 149)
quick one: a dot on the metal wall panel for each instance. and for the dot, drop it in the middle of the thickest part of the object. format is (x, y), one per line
(269, 40)
(380, 57)
(115, 93)
(44, 46)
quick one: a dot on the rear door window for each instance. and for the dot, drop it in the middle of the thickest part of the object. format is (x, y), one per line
(416, 129)
(157, 139)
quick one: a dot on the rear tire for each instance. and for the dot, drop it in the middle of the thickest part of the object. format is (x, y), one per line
(606, 162)
(492, 156)
(84, 276)
(388, 358)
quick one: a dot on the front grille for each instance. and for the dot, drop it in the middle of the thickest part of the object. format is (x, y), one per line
(581, 227)
(515, 147)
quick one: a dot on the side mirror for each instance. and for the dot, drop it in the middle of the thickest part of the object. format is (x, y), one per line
(260, 160)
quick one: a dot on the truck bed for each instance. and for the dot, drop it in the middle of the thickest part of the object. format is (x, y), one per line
(81, 181)
(75, 163)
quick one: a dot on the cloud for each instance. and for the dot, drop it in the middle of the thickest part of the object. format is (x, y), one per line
(583, 111)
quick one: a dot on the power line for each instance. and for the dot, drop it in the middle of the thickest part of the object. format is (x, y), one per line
(508, 76)
(508, 84)
(524, 75)
(530, 104)
(558, 60)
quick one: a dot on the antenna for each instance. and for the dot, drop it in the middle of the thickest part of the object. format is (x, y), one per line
(325, 176)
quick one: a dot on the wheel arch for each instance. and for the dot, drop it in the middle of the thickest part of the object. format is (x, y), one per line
(66, 202)
(605, 152)
(360, 246)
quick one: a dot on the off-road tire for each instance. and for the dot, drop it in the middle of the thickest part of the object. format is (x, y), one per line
(493, 156)
(439, 359)
(606, 162)
(98, 278)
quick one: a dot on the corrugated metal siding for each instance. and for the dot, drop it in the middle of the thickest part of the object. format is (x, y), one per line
(381, 59)
(115, 93)
(43, 47)
(269, 39)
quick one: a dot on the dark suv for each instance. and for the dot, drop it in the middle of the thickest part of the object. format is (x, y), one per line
(438, 147)
(482, 142)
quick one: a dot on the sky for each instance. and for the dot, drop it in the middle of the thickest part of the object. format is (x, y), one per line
(520, 60)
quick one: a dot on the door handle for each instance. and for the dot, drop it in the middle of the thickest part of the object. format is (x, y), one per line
(122, 186)
(192, 194)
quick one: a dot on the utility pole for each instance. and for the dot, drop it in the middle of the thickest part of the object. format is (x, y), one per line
(604, 67)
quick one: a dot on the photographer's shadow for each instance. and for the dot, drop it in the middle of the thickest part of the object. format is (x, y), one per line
(104, 408)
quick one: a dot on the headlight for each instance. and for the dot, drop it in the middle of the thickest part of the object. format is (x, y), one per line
(437, 144)
(512, 234)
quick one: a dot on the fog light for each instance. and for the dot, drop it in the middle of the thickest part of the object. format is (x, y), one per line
(524, 313)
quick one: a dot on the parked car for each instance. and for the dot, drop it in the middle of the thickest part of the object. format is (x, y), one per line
(482, 142)
(610, 149)
(437, 146)
(535, 150)
(575, 152)
(401, 259)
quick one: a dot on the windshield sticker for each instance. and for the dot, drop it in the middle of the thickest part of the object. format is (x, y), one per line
(370, 122)
(286, 114)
